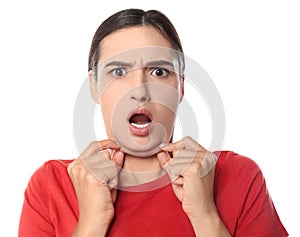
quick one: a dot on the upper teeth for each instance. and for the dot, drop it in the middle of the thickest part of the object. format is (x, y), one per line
(140, 125)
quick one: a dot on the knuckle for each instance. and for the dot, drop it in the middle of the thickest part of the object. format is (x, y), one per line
(74, 171)
(209, 155)
(104, 144)
(89, 178)
(107, 153)
(73, 167)
(187, 139)
(92, 144)
(103, 158)
(194, 167)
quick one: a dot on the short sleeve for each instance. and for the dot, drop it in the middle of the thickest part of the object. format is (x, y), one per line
(35, 219)
(257, 215)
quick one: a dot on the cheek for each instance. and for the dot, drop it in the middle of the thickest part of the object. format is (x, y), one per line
(167, 118)
(105, 109)
(109, 100)
(107, 103)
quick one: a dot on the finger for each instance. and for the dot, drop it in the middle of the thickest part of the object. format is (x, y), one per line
(208, 163)
(107, 153)
(102, 167)
(70, 166)
(118, 158)
(112, 182)
(105, 144)
(187, 143)
(73, 164)
(180, 163)
(74, 170)
(189, 162)
(163, 158)
(170, 147)
(178, 181)
(114, 194)
(97, 146)
(166, 163)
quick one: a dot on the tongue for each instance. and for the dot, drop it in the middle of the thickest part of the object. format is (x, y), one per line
(139, 119)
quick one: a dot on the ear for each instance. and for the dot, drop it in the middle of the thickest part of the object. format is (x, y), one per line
(93, 86)
(181, 87)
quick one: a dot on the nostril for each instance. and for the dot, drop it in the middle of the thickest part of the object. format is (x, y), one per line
(140, 94)
(141, 99)
(144, 99)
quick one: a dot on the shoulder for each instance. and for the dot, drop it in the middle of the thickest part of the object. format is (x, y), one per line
(49, 172)
(236, 164)
(51, 166)
(237, 174)
(48, 182)
(240, 189)
(56, 165)
(49, 197)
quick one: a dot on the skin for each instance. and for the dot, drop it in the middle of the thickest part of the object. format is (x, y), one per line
(109, 98)
(96, 198)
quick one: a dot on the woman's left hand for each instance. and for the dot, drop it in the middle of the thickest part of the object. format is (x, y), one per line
(191, 170)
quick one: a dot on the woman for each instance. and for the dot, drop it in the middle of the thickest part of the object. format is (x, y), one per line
(164, 188)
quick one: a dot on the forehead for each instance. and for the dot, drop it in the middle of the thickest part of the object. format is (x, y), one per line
(131, 38)
(151, 56)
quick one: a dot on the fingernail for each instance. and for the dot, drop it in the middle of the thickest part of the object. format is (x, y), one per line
(162, 145)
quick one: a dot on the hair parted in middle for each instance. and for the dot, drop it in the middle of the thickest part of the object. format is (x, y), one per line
(130, 18)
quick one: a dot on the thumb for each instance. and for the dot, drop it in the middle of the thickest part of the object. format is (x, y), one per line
(163, 158)
(118, 158)
(165, 163)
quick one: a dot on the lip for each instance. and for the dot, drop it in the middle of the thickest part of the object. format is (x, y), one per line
(140, 131)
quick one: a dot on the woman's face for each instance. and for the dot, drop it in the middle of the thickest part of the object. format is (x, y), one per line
(138, 88)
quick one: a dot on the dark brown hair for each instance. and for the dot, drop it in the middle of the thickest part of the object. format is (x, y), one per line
(129, 18)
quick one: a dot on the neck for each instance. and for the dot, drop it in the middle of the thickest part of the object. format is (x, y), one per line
(140, 164)
(139, 170)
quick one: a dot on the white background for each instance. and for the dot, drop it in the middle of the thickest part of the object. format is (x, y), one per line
(249, 48)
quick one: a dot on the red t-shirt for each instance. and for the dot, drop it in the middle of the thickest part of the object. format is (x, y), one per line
(50, 206)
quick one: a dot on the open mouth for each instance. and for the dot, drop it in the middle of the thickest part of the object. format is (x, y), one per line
(139, 122)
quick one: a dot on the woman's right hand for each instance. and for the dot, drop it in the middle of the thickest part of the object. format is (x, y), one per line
(96, 193)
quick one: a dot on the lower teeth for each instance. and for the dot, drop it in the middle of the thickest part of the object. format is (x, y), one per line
(140, 125)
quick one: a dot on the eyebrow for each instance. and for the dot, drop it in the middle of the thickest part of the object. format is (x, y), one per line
(154, 63)
(157, 63)
(118, 64)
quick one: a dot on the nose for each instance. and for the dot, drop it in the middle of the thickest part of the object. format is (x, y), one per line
(141, 93)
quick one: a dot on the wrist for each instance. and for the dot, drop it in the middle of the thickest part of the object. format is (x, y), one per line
(210, 225)
(92, 227)
(89, 231)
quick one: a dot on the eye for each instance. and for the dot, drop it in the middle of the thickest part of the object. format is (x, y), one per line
(160, 72)
(118, 72)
